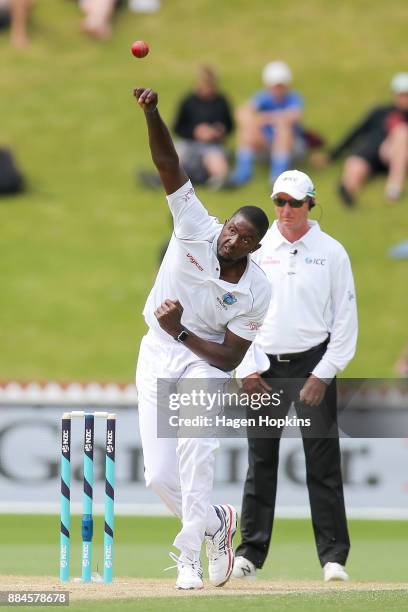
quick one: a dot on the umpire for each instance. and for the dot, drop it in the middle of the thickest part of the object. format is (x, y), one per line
(309, 333)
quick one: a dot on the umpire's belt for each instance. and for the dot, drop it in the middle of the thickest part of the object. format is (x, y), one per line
(287, 357)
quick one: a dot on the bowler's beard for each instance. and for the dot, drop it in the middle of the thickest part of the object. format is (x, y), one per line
(228, 261)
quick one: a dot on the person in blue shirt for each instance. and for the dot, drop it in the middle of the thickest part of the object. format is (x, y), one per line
(269, 122)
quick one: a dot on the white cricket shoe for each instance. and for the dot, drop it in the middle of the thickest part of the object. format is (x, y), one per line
(219, 546)
(334, 571)
(244, 568)
(189, 572)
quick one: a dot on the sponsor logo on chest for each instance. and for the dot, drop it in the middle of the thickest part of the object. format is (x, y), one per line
(269, 260)
(193, 261)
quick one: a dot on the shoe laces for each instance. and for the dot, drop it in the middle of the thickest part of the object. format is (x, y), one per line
(195, 565)
(217, 544)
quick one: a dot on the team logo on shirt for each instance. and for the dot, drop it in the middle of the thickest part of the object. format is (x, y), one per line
(229, 299)
(315, 260)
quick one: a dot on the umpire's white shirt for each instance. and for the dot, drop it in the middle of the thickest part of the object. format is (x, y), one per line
(190, 273)
(312, 295)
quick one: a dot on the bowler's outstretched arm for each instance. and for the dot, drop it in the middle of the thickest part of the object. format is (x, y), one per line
(164, 154)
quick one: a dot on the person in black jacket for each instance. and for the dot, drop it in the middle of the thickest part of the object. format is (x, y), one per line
(379, 143)
(203, 121)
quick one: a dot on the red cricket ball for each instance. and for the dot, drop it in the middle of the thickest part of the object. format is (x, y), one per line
(140, 48)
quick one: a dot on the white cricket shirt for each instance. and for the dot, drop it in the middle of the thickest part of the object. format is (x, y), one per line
(190, 273)
(312, 295)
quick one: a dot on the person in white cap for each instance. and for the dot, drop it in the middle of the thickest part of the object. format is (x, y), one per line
(269, 122)
(379, 143)
(308, 336)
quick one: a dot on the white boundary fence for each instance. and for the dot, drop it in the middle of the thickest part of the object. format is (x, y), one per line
(375, 470)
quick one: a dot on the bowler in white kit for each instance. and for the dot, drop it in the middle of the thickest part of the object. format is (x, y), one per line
(206, 307)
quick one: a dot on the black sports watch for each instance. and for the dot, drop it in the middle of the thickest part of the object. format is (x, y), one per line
(182, 337)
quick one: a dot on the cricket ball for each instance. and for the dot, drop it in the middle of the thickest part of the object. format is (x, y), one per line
(140, 48)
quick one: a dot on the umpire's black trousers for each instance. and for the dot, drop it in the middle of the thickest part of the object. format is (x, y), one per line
(323, 473)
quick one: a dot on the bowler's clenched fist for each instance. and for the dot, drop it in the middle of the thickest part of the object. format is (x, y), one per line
(168, 315)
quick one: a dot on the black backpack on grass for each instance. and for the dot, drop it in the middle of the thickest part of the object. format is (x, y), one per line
(11, 179)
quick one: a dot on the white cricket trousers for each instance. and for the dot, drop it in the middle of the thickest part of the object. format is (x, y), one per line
(179, 470)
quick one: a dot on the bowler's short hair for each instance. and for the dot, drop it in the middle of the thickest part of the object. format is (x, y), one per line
(256, 216)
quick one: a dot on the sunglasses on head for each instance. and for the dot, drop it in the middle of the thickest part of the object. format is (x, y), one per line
(281, 202)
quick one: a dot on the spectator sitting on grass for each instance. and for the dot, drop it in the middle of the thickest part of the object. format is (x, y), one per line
(379, 143)
(269, 122)
(203, 121)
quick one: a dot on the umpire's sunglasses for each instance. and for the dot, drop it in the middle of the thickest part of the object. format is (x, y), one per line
(292, 203)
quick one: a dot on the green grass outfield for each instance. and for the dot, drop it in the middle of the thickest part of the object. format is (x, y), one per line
(360, 602)
(29, 547)
(78, 252)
